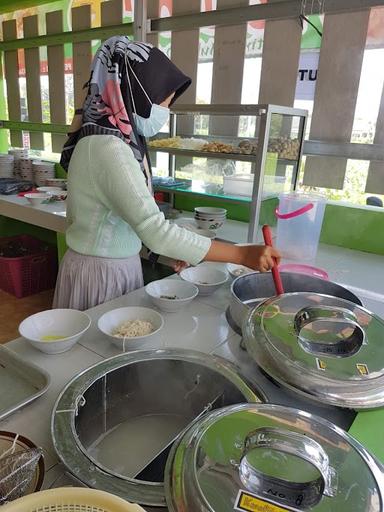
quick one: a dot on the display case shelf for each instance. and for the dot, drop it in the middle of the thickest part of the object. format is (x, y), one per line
(191, 153)
(267, 141)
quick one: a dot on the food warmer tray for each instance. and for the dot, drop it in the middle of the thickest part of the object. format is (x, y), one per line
(20, 382)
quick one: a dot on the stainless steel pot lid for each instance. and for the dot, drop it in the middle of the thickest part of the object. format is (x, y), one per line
(270, 458)
(325, 347)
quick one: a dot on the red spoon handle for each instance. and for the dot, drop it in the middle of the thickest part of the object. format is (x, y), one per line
(267, 234)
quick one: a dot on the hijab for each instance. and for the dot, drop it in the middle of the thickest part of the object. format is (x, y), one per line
(122, 74)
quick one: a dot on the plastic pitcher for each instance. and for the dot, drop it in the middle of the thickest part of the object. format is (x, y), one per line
(299, 222)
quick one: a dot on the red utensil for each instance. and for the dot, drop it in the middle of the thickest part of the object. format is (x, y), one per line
(267, 234)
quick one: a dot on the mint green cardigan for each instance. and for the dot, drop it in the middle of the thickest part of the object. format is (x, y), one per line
(111, 211)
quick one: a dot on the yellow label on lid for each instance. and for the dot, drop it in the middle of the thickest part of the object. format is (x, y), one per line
(362, 369)
(321, 365)
(247, 502)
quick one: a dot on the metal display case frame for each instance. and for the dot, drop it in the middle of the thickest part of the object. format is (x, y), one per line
(263, 114)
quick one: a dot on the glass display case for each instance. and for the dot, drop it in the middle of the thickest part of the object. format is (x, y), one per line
(246, 154)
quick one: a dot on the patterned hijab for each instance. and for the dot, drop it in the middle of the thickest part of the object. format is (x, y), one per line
(108, 105)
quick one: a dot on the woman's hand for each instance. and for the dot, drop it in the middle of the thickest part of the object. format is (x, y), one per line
(180, 265)
(259, 257)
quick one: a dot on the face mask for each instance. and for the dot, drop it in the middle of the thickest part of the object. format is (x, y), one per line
(149, 126)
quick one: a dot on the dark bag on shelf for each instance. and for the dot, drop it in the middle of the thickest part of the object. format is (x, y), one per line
(10, 186)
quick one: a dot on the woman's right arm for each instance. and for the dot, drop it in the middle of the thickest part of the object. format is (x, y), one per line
(121, 186)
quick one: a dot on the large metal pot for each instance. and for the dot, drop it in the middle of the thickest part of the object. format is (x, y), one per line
(251, 289)
(114, 424)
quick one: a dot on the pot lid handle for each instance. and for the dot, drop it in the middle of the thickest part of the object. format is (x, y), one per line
(329, 331)
(303, 494)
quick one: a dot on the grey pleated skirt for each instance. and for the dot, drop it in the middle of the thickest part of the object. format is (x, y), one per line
(87, 281)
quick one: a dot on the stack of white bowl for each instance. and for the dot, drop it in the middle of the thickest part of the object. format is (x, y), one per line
(42, 171)
(18, 154)
(6, 166)
(209, 217)
(25, 169)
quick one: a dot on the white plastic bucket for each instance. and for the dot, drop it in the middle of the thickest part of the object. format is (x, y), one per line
(299, 221)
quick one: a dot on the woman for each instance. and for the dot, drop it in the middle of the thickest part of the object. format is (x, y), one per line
(111, 210)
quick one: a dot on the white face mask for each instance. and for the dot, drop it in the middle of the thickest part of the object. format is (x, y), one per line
(147, 126)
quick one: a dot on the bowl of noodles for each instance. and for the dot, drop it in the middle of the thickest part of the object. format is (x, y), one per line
(132, 327)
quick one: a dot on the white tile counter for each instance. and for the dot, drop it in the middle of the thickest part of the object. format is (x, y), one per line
(49, 216)
(200, 326)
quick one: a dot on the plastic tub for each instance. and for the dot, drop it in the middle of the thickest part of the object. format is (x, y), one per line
(33, 273)
(242, 185)
(307, 270)
(299, 222)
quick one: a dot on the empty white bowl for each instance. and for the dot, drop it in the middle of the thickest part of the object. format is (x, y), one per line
(170, 294)
(57, 182)
(206, 277)
(113, 319)
(42, 329)
(210, 211)
(48, 190)
(37, 198)
(238, 270)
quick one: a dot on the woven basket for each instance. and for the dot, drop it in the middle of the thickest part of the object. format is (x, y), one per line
(70, 499)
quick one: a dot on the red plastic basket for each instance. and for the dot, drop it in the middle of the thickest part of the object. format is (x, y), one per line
(27, 275)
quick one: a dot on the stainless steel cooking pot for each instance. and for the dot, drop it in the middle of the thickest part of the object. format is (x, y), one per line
(114, 424)
(251, 289)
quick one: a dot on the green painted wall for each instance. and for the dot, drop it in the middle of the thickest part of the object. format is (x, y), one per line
(3, 133)
(61, 245)
(356, 228)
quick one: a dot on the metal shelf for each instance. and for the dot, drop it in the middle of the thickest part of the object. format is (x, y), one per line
(210, 154)
(187, 191)
(228, 109)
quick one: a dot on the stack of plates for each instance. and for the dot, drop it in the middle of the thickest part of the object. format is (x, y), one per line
(6, 165)
(42, 171)
(210, 218)
(25, 169)
(18, 154)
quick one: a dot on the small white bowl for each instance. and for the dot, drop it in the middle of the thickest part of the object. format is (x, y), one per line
(238, 270)
(57, 182)
(113, 319)
(160, 293)
(37, 198)
(49, 190)
(207, 278)
(209, 224)
(210, 211)
(69, 324)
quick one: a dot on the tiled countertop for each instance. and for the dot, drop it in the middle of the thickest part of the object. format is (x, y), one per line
(200, 326)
